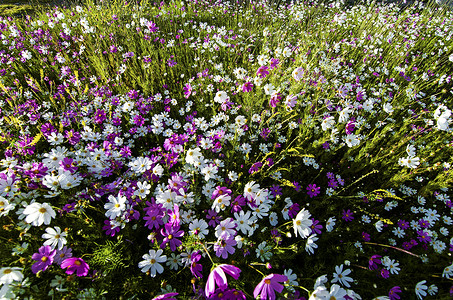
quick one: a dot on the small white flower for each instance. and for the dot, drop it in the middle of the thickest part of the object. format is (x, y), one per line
(151, 262)
(420, 289)
(302, 223)
(115, 207)
(55, 237)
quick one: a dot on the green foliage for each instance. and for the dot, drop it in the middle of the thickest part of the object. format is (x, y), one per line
(109, 257)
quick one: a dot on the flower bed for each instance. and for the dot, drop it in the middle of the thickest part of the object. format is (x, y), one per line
(226, 151)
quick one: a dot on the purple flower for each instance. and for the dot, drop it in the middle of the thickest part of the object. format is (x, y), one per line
(44, 258)
(350, 127)
(313, 190)
(75, 264)
(276, 190)
(274, 63)
(255, 167)
(47, 129)
(293, 210)
(62, 254)
(171, 233)
(262, 71)
(385, 273)
(267, 287)
(393, 293)
(224, 245)
(373, 262)
(237, 203)
(213, 218)
(220, 191)
(365, 236)
(68, 164)
(100, 116)
(187, 90)
(195, 268)
(217, 276)
(348, 216)
(174, 215)
(247, 87)
(315, 227)
(403, 224)
(275, 99)
(423, 236)
(110, 228)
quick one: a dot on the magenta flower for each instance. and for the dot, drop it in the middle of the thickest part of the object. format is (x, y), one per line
(217, 276)
(267, 287)
(187, 90)
(196, 268)
(77, 265)
(262, 71)
(247, 87)
(171, 233)
(350, 127)
(44, 258)
(275, 99)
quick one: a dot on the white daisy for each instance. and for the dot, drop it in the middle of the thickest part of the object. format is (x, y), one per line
(10, 274)
(55, 237)
(151, 263)
(38, 213)
(302, 223)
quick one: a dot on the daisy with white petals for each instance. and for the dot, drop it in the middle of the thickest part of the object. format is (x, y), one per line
(37, 214)
(55, 238)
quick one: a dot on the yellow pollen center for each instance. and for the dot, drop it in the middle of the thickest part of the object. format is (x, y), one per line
(170, 236)
(44, 258)
(267, 281)
(117, 205)
(7, 271)
(42, 210)
(77, 262)
(153, 261)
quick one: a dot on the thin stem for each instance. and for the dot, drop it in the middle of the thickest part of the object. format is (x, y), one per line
(393, 247)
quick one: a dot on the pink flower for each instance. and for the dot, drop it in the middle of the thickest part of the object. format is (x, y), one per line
(217, 276)
(77, 265)
(262, 71)
(267, 287)
(247, 87)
